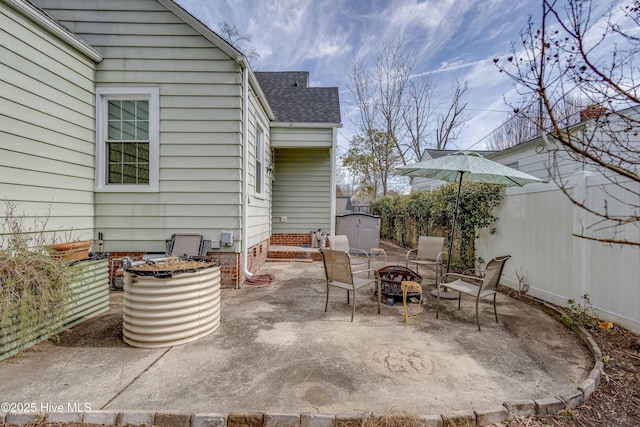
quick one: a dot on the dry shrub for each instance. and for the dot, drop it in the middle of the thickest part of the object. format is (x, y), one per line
(394, 417)
(33, 285)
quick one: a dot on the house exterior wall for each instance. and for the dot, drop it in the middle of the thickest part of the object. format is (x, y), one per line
(47, 129)
(292, 137)
(259, 208)
(301, 190)
(535, 159)
(200, 96)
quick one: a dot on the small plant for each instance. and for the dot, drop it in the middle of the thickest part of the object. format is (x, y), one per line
(33, 285)
(523, 282)
(583, 312)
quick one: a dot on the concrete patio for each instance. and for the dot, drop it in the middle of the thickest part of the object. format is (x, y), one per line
(277, 351)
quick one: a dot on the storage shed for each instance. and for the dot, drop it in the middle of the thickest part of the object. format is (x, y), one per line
(362, 230)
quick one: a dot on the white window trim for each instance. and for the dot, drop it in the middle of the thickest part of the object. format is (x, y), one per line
(105, 93)
(260, 140)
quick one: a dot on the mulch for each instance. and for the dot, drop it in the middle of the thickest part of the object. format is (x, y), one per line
(616, 402)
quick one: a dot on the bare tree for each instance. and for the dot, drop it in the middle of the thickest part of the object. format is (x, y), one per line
(360, 84)
(417, 116)
(397, 106)
(452, 121)
(392, 71)
(592, 54)
(526, 122)
(230, 33)
(379, 94)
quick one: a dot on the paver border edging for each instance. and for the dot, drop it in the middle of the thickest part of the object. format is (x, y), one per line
(497, 414)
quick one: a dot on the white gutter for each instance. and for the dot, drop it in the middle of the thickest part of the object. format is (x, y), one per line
(334, 149)
(245, 173)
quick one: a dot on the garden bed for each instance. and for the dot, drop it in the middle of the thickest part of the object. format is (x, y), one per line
(88, 296)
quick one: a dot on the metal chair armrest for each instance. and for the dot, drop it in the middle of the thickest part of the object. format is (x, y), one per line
(458, 276)
(469, 271)
(359, 252)
(406, 258)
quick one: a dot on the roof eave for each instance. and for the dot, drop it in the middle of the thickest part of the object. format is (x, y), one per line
(305, 125)
(223, 45)
(535, 141)
(56, 29)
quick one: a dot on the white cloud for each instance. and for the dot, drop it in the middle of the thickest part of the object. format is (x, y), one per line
(454, 38)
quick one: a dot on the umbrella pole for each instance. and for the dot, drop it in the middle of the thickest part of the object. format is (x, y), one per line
(441, 289)
(455, 217)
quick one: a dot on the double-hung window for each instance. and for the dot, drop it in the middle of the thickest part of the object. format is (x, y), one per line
(259, 169)
(127, 132)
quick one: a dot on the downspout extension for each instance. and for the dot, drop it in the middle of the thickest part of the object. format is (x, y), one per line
(245, 173)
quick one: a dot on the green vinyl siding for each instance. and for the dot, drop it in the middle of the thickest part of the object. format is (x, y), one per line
(259, 207)
(302, 190)
(47, 129)
(200, 144)
(286, 137)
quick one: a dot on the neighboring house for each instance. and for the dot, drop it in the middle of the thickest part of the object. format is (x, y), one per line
(428, 184)
(545, 159)
(133, 121)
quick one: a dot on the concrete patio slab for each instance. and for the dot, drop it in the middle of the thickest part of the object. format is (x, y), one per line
(277, 351)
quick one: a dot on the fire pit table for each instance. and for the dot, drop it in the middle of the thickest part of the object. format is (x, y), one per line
(391, 278)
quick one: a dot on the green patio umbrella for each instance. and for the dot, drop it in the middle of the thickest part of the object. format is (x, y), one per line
(469, 167)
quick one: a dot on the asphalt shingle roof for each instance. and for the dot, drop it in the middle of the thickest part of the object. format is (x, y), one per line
(292, 100)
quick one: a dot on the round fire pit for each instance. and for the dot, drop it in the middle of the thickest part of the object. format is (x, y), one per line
(170, 302)
(391, 278)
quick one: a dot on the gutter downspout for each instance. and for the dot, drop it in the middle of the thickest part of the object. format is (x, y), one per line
(334, 149)
(245, 173)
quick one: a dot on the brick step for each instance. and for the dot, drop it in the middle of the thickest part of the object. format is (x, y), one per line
(293, 253)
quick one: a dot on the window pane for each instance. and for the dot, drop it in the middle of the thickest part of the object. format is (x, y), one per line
(143, 153)
(128, 131)
(128, 110)
(142, 110)
(143, 174)
(115, 174)
(114, 110)
(115, 152)
(129, 174)
(258, 177)
(129, 154)
(142, 132)
(115, 131)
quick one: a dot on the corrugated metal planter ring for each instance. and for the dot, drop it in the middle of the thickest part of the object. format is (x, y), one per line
(164, 310)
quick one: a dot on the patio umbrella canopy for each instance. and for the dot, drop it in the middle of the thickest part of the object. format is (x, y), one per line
(467, 167)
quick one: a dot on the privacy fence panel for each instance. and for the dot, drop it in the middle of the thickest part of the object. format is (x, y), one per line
(536, 225)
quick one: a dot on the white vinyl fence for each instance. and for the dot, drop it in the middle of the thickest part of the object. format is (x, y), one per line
(535, 226)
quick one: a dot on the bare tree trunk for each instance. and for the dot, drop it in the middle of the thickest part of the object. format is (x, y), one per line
(451, 123)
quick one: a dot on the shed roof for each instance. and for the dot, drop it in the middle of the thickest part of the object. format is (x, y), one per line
(292, 100)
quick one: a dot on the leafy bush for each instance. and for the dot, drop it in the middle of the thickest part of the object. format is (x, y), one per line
(404, 218)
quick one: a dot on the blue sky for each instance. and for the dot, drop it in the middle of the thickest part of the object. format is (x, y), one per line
(453, 39)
